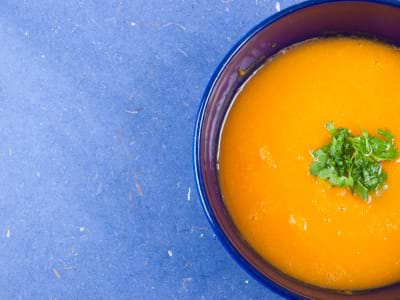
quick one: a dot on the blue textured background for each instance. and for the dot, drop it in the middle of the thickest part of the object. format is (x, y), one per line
(97, 107)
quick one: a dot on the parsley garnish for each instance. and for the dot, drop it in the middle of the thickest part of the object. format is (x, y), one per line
(354, 161)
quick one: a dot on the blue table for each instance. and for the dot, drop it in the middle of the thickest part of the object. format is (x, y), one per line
(97, 105)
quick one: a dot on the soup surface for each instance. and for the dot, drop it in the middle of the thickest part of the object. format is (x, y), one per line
(321, 235)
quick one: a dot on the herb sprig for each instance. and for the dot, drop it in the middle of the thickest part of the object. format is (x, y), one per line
(354, 161)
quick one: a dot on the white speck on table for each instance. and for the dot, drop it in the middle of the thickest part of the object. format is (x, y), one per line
(305, 226)
(189, 194)
(185, 281)
(278, 6)
(182, 52)
(292, 220)
(8, 233)
(56, 273)
(174, 24)
(170, 253)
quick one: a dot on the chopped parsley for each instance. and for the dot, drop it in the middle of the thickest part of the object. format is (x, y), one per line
(353, 161)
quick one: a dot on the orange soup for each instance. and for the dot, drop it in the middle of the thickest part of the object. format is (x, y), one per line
(319, 234)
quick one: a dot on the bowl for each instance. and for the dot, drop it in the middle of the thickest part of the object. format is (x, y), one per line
(377, 19)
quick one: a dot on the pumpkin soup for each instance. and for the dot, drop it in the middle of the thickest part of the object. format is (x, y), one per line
(323, 235)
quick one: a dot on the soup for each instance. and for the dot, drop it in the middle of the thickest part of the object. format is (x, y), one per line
(319, 234)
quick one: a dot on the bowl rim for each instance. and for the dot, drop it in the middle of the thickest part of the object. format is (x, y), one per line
(233, 252)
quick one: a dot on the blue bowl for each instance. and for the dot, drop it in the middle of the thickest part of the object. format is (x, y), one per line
(376, 19)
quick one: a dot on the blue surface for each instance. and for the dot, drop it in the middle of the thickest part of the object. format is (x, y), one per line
(97, 106)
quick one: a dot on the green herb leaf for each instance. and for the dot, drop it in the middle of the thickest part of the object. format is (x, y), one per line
(354, 161)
